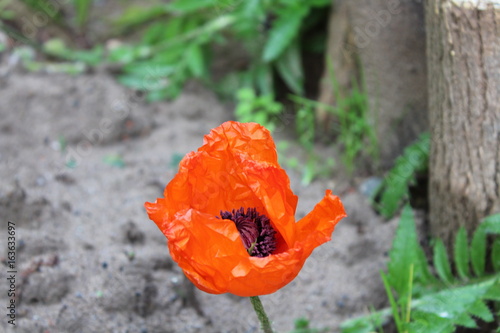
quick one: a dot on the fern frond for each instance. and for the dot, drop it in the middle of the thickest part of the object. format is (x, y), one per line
(406, 251)
(394, 189)
(443, 310)
(458, 305)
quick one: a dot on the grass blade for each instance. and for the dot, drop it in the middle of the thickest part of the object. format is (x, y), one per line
(392, 301)
(82, 8)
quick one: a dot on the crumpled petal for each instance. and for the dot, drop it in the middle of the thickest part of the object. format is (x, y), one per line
(237, 167)
(251, 139)
(317, 227)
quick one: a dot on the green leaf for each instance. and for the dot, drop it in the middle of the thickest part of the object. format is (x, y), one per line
(289, 67)
(155, 32)
(264, 79)
(465, 320)
(441, 262)
(480, 310)
(319, 3)
(461, 253)
(136, 15)
(359, 325)
(196, 61)
(187, 6)
(125, 54)
(491, 224)
(452, 304)
(424, 322)
(82, 8)
(493, 293)
(284, 30)
(173, 28)
(495, 255)
(406, 251)
(478, 251)
(149, 69)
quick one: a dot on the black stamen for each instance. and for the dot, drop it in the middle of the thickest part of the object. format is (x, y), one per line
(256, 231)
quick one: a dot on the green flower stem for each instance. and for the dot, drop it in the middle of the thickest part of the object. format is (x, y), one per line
(261, 313)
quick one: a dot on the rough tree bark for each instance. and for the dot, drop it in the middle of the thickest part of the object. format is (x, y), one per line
(385, 41)
(463, 56)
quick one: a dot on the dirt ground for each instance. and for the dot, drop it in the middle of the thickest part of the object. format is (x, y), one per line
(79, 156)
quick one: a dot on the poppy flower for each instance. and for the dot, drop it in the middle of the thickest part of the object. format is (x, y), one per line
(228, 215)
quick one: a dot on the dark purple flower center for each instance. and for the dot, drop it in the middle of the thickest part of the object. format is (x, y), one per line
(256, 231)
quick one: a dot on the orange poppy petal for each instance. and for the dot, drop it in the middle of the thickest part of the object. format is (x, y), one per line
(205, 248)
(316, 227)
(157, 212)
(261, 276)
(271, 186)
(249, 138)
(213, 257)
(209, 184)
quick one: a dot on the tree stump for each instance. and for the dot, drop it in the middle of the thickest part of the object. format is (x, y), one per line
(463, 56)
(384, 40)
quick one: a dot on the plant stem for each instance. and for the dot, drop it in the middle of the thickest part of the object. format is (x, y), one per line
(410, 287)
(261, 313)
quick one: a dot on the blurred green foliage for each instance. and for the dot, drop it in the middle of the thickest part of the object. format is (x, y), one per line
(177, 39)
(302, 326)
(157, 47)
(5, 13)
(442, 296)
(263, 109)
(178, 43)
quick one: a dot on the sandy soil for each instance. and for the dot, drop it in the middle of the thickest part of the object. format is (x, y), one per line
(79, 156)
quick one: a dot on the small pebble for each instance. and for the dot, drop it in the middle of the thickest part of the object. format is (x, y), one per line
(369, 186)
